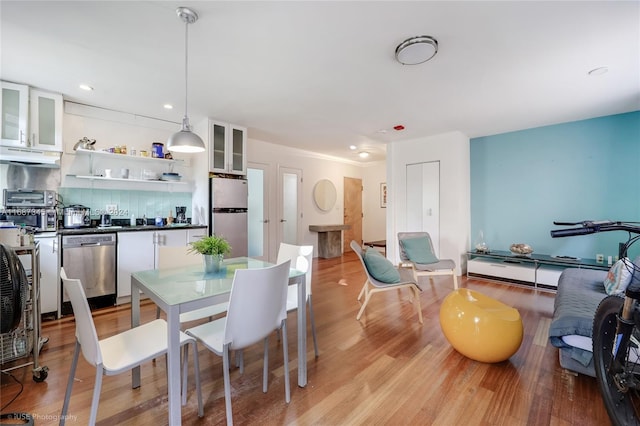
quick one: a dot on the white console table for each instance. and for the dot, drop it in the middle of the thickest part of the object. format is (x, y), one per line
(537, 270)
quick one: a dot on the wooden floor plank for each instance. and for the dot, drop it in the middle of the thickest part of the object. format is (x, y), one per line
(385, 369)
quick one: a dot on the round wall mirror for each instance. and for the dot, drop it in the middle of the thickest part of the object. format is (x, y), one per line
(324, 194)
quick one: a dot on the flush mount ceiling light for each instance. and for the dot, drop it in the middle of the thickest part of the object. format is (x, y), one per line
(416, 50)
(185, 140)
(86, 87)
(363, 154)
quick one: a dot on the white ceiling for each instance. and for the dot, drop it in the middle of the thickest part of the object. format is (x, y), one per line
(322, 75)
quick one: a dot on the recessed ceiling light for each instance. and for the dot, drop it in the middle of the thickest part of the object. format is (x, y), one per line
(168, 106)
(598, 71)
(86, 87)
(363, 154)
(353, 147)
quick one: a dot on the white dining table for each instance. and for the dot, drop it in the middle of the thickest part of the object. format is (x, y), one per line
(184, 289)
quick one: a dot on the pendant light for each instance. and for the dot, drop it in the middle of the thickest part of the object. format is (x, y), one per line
(185, 140)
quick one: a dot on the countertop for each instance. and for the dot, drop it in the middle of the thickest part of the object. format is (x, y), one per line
(111, 229)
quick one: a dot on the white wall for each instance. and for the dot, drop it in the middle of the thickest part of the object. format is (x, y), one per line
(375, 217)
(452, 150)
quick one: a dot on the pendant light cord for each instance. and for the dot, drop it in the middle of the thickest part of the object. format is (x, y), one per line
(186, 65)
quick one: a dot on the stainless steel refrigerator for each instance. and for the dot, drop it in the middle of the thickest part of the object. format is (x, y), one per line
(228, 200)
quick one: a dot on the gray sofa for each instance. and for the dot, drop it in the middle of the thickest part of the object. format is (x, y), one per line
(579, 294)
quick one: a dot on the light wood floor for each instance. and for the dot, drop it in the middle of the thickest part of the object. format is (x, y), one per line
(384, 369)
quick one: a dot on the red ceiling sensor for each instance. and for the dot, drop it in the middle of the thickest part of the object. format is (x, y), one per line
(398, 127)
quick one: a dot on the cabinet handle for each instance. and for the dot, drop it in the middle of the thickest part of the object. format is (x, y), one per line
(21, 136)
(54, 247)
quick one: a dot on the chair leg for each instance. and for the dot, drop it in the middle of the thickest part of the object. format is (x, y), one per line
(196, 367)
(285, 352)
(364, 289)
(96, 395)
(313, 326)
(455, 280)
(185, 373)
(227, 384)
(364, 305)
(265, 366)
(72, 373)
(416, 292)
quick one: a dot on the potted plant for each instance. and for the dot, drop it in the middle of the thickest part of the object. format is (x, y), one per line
(212, 249)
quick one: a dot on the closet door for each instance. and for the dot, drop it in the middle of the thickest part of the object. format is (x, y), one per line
(423, 200)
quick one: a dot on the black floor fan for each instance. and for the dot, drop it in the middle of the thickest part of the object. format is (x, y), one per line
(13, 289)
(13, 295)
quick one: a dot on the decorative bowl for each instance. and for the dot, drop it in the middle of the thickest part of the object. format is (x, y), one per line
(520, 249)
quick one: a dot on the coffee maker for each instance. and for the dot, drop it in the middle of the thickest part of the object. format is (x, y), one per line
(181, 214)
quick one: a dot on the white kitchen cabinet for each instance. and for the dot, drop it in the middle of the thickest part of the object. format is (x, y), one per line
(170, 238)
(227, 148)
(195, 234)
(138, 251)
(49, 273)
(45, 120)
(135, 253)
(14, 111)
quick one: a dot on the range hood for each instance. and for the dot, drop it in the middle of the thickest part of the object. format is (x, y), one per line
(29, 157)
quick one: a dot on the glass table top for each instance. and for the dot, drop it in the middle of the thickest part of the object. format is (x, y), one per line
(188, 283)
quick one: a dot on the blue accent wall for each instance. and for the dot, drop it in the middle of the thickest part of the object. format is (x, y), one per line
(584, 170)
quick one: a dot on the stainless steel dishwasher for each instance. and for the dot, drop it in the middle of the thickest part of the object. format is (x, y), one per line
(91, 258)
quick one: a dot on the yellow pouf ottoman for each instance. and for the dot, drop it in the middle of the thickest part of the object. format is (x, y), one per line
(479, 327)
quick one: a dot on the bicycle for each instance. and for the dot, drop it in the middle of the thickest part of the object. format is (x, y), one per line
(616, 331)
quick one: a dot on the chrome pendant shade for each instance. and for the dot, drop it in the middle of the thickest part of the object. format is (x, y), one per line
(416, 50)
(185, 140)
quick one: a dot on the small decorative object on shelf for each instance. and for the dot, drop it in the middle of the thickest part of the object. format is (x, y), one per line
(213, 249)
(85, 143)
(481, 246)
(520, 249)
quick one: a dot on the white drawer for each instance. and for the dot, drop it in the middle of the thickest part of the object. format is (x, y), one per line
(506, 270)
(548, 275)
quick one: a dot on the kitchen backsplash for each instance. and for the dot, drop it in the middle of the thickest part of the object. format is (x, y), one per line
(139, 203)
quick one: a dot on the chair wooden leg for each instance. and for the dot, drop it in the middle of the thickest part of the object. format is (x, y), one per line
(364, 289)
(227, 384)
(265, 366)
(285, 352)
(313, 326)
(72, 373)
(96, 395)
(364, 305)
(196, 368)
(418, 306)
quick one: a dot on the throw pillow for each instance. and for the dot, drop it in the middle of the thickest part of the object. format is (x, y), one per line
(418, 250)
(380, 267)
(619, 277)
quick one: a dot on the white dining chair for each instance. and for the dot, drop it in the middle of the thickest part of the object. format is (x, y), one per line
(257, 306)
(121, 352)
(301, 258)
(175, 257)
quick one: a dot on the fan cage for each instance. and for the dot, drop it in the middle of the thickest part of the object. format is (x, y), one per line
(18, 342)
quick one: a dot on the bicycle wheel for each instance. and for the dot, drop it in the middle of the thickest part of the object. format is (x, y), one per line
(619, 392)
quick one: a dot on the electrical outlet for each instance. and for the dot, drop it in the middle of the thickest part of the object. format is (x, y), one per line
(112, 208)
(600, 258)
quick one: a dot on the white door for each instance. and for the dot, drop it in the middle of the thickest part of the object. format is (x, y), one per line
(258, 209)
(290, 204)
(423, 200)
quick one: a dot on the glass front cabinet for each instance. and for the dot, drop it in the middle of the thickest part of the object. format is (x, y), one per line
(14, 110)
(227, 148)
(31, 118)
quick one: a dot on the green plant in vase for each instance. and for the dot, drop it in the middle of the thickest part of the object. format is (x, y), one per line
(212, 249)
